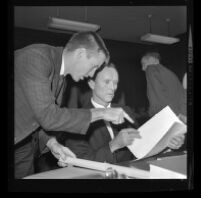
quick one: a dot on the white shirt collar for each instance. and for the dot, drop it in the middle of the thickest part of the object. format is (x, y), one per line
(62, 66)
(96, 105)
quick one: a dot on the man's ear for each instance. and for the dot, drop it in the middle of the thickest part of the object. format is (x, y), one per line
(91, 84)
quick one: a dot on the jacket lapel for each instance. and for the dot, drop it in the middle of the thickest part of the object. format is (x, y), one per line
(56, 60)
(104, 132)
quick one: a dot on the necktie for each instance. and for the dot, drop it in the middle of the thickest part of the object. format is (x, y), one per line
(109, 128)
(60, 85)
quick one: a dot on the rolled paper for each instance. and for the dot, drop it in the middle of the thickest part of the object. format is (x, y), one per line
(103, 166)
(86, 163)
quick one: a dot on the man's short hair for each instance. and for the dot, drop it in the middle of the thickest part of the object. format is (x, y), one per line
(152, 54)
(91, 41)
(110, 65)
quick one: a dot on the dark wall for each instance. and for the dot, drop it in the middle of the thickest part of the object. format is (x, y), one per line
(125, 55)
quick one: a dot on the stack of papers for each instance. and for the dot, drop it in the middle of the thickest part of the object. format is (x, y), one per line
(169, 168)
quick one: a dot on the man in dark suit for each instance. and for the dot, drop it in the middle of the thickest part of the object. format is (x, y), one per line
(104, 141)
(39, 84)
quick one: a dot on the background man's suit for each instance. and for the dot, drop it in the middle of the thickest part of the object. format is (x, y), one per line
(164, 88)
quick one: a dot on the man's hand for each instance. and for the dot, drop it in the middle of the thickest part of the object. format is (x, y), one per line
(183, 118)
(59, 151)
(124, 138)
(176, 142)
(114, 115)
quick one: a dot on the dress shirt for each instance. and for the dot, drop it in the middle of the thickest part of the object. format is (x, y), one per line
(62, 66)
(96, 105)
(61, 82)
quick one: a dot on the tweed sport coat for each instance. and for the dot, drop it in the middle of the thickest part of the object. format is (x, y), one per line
(37, 73)
(95, 144)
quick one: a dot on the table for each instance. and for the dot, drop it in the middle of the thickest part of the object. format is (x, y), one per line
(143, 163)
(68, 173)
(84, 173)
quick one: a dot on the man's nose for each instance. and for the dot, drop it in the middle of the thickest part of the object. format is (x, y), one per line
(112, 87)
(91, 74)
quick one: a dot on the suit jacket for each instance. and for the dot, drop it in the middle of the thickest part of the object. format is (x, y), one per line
(164, 88)
(95, 144)
(38, 95)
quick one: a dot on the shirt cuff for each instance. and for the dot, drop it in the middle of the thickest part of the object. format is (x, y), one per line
(43, 139)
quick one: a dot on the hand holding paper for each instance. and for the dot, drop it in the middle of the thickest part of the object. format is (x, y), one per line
(183, 118)
(67, 153)
(177, 141)
(60, 152)
(124, 138)
(157, 133)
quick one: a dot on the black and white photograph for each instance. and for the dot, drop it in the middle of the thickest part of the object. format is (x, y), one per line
(101, 92)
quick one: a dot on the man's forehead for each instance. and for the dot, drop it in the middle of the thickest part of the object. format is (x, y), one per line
(108, 72)
(95, 51)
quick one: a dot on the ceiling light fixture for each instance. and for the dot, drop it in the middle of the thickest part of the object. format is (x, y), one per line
(71, 25)
(159, 38)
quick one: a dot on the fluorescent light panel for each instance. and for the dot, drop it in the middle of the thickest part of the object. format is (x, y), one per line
(159, 39)
(69, 25)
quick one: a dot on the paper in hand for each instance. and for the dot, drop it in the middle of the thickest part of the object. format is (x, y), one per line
(156, 133)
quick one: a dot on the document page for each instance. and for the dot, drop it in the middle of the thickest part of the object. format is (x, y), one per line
(173, 167)
(156, 133)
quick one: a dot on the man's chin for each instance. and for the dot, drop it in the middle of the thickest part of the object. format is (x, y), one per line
(109, 99)
(76, 79)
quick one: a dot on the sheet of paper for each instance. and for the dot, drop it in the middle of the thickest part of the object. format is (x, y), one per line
(154, 130)
(86, 163)
(173, 167)
(176, 128)
(68, 173)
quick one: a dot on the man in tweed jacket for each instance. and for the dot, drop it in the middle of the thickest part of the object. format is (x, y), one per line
(39, 84)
